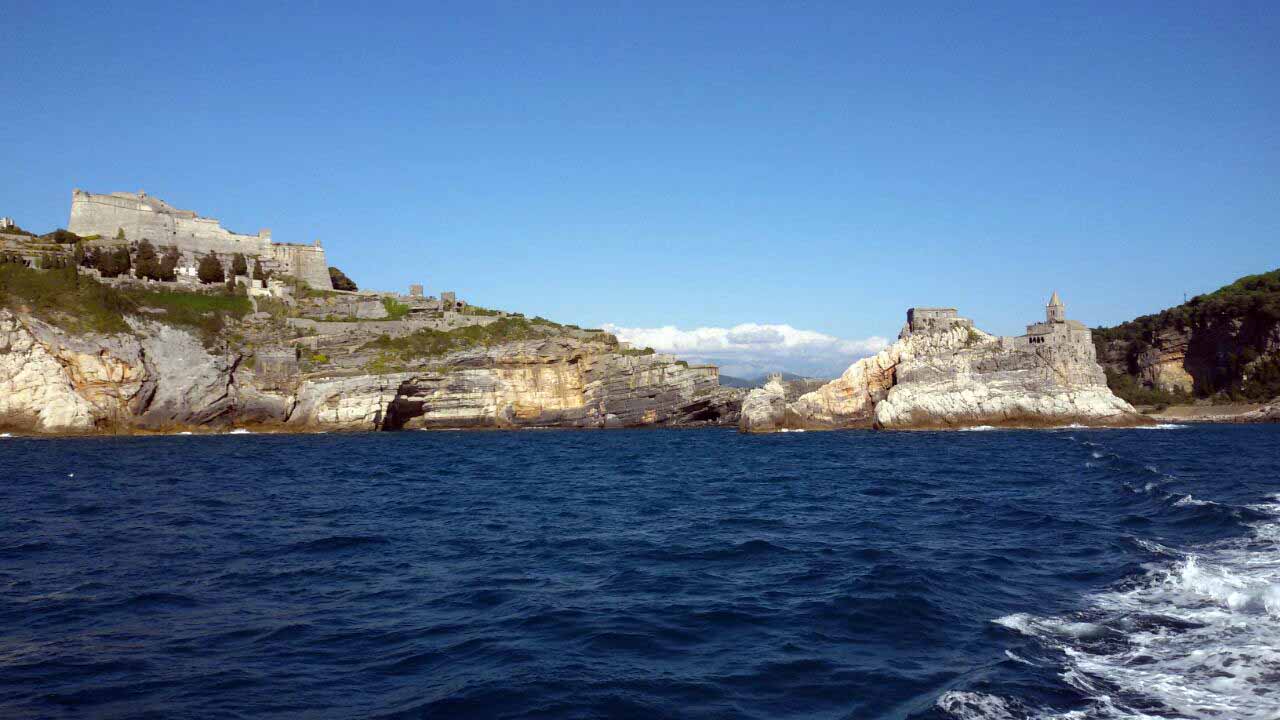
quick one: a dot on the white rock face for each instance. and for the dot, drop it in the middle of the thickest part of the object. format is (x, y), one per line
(764, 409)
(35, 390)
(953, 377)
(158, 377)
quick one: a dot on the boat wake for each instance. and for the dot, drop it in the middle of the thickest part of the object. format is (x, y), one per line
(1197, 635)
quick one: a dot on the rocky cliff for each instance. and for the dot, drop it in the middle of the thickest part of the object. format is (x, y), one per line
(1225, 344)
(950, 375)
(162, 378)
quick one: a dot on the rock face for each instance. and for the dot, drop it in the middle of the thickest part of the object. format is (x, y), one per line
(1224, 343)
(162, 378)
(946, 374)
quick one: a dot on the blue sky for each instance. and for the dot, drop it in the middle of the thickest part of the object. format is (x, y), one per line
(813, 166)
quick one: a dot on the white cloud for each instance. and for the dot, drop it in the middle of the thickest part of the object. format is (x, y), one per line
(751, 349)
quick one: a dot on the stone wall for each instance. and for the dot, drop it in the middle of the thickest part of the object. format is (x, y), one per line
(143, 217)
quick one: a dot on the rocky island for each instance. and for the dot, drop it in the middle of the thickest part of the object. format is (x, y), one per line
(945, 373)
(143, 317)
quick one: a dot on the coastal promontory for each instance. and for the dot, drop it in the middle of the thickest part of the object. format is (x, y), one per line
(945, 373)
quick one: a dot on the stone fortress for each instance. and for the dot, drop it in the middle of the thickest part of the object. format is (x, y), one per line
(1061, 345)
(142, 217)
(1055, 333)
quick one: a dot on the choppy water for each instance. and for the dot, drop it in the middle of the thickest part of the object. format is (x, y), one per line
(683, 574)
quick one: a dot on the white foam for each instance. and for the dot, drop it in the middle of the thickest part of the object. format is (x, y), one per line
(977, 706)
(1162, 426)
(978, 428)
(1200, 634)
(790, 430)
(240, 431)
(6, 435)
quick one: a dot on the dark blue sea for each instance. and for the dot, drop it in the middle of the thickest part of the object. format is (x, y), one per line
(643, 574)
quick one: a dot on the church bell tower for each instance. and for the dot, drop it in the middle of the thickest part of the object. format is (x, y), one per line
(1055, 312)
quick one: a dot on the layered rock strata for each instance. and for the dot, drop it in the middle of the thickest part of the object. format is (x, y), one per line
(159, 377)
(950, 375)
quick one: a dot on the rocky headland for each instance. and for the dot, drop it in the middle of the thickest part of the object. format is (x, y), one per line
(142, 326)
(1220, 348)
(944, 373)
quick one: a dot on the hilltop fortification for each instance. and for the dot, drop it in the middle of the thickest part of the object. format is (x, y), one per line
(139, 216)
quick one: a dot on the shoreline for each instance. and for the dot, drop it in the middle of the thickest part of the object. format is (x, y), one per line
(1203, 418)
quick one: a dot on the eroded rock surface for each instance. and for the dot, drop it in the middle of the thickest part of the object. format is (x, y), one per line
(946, 373)
(159, 377)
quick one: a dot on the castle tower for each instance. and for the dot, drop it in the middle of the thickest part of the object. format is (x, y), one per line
(1055, 311)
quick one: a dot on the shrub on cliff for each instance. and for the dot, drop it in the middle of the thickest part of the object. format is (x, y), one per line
(209, 270)
(169, 264)
(433, 343)
(61, 297)
(257, 271)
(1226, 331)
(239, 266)
(395, 310)
(62, 237)
(341, 281)
(112, 262)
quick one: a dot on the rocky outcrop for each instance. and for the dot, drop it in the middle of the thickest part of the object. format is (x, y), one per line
(951, 375)
(553, 382)
(1224, 343)
(159, 377)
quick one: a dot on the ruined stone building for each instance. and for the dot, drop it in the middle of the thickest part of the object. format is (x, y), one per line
(139, 216)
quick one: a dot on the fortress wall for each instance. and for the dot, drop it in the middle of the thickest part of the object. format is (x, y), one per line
(146, 218)
(105, 214)
(305, 262)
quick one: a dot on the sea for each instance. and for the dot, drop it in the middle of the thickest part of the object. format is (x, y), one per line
(1000, 574)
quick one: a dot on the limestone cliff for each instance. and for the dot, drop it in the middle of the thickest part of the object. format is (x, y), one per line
(159, 377)
(1224, 344)
(949, 374)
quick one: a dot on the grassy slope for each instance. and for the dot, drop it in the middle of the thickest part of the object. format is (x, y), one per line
(82, 304)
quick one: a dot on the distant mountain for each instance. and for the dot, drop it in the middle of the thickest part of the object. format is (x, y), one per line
(759, 380)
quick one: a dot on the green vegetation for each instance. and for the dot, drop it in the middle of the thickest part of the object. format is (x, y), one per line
(1256, 297)
(395, 310)
(479, 311)
(319, 358)
(146, 262)
(239, 266)
(64, 299)
(62, 237)
(1128, 388)
(1227, 328)
(210, 270)
(973, 338)
(637, 351)
(110, 262)
(433, 343)
(341, 281)
(82, 304)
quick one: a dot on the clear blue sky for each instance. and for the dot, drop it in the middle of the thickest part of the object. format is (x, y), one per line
(823, 165)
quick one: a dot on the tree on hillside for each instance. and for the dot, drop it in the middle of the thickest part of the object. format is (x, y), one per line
(122, 259)
(119, 233)
(257, 271)
(169, 264)
(210, 269)
(239, 266)
(146, 262)
(341, 281)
